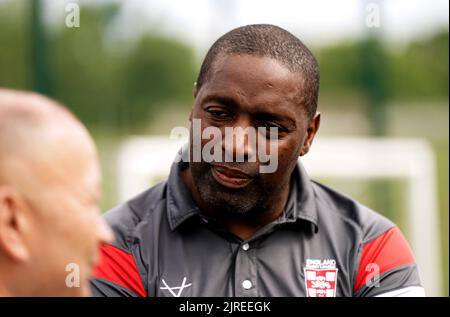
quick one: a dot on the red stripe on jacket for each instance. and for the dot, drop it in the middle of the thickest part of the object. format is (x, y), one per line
(119, 267)
(387, 251)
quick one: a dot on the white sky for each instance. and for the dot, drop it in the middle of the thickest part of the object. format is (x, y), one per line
(316, 22)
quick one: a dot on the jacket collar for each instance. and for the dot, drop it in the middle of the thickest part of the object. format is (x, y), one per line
(300, 206)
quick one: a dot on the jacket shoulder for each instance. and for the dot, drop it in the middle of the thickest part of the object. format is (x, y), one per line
(366, 221)
(124, 218)
(385, 264)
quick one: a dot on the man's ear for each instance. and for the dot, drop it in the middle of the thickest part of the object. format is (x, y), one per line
(195, 96)
(13, 225)
(313, 127)
(195, 91)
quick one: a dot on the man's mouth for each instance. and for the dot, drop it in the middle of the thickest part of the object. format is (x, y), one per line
(230, 177)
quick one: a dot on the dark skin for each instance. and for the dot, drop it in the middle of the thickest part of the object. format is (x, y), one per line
(250, 91)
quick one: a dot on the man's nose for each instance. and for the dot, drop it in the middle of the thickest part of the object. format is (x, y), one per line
(241, 141)
(104, 232)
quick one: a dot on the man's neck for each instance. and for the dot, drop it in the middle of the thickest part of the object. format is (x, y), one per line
(243, 227)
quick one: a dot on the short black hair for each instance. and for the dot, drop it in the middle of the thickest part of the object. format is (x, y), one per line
(271, 41)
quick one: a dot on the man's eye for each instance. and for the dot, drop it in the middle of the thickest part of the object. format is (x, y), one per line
(271, 130)
(269, 125)
(218, 114)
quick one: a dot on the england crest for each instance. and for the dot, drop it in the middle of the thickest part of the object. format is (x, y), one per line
(320, 278)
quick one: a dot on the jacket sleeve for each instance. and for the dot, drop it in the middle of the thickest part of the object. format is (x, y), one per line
(116, 274)
(387, 267)
(105, 288)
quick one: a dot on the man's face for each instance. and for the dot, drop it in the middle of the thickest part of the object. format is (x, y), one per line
(67, 228)
(248, 91)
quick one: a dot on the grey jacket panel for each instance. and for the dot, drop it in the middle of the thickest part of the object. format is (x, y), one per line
(400, 277)
(104, 288)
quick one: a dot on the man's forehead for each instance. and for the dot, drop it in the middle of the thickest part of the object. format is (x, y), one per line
(261, 82)
(251, 66)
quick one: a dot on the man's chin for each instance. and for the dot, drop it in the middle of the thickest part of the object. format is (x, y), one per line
(228, 204)
(226, 200)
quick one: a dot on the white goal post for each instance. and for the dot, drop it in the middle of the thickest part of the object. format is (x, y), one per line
(144, 161)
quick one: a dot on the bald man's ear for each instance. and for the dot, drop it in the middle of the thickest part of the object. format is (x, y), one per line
(313, 127)
(13, 224)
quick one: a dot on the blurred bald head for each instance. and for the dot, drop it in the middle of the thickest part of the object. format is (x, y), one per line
(31, 125)
(49, 196)
(39, 137)
(22, 112)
